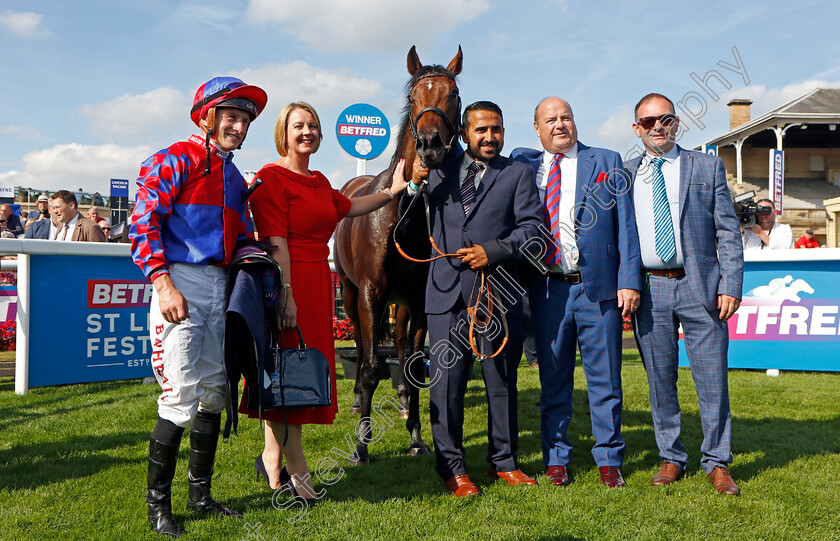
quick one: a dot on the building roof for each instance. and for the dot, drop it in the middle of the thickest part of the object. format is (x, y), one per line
(819, 106)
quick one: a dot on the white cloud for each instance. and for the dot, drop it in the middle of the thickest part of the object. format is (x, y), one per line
(364, 25)
(198, 14)
(616, 132)
(75, 165)
(157, 113)
(25, 24)
(298, 80)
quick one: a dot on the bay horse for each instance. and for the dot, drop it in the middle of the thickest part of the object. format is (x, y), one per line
(368, 263)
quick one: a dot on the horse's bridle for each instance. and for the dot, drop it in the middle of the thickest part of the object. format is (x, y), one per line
(453, 127)
(486, 286)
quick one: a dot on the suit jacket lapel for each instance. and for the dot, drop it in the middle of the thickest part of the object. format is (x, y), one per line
(585, 168)
(686, 164)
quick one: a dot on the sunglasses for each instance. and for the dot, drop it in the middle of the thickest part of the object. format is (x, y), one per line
(2, 221)
(649, 122)
(106, 229)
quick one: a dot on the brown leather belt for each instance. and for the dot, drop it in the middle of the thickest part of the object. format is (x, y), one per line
(667, 273)
(570, 278)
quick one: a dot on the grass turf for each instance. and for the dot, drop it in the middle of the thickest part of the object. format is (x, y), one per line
(73, 466)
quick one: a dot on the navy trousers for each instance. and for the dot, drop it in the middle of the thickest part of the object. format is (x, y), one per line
(564, 317)
(450, 357)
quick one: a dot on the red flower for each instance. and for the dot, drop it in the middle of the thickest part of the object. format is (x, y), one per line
(342, 329)
(7, 336)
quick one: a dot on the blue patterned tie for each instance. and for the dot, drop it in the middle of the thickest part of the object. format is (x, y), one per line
(468, 186)
(663, 226)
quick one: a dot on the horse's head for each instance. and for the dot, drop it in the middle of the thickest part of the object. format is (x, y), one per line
(434, 108)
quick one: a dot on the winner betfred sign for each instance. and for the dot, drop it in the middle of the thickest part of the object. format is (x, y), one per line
(362, 131)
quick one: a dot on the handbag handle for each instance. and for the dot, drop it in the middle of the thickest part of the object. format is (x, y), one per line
(301, 343)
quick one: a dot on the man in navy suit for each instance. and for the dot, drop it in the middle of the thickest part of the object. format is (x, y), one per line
(38, 230)
(590, 278)
(484, 208)
(694, 265)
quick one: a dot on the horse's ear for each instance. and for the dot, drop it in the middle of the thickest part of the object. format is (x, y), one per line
(456, 63)
(413, 61)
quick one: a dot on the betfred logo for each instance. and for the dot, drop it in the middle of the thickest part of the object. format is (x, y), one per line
(118, 293)
(361, 131)
(786, 309)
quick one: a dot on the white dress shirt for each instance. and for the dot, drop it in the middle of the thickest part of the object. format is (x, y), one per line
(55, 232)
(566, 219)
(643, 203)
(781, 238)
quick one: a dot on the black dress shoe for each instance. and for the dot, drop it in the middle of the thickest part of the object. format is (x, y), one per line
(286, 480)
(259, 465)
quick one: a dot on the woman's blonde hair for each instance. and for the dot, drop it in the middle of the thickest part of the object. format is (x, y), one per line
(283, 122)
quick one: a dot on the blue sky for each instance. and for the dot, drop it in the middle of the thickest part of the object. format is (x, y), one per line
(91, 88)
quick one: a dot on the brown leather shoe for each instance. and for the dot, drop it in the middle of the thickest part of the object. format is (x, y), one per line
(515, 477)
(557, 475)
(611, 476)
(460, 486)
(668, 473)
(723, 482)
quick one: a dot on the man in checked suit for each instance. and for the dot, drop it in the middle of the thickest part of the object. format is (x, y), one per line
(590, 278)
(484, 208)
(693, 260)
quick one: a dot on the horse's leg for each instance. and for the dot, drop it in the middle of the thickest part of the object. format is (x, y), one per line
(370, 311)
(351, 295)
(400, 332)
(416, 372)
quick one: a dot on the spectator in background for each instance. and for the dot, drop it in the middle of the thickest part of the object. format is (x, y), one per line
(105, 227)
(93, 215)
(13, 222)
(767, 233)
(807, 240)
(66, 223)
(41, 213)
(5, 233)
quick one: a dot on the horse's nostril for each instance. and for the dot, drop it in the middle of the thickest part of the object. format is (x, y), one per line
(436, 142)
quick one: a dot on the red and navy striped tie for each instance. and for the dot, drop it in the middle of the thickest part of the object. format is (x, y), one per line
(551, 211)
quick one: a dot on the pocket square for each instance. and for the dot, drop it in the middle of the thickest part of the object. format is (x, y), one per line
(601, 177)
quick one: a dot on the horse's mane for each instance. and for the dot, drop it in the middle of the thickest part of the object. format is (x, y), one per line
(406, 120)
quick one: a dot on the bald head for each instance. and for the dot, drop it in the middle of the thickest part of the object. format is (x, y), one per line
(554, 123)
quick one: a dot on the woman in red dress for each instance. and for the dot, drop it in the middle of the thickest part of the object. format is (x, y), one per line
(295, 212)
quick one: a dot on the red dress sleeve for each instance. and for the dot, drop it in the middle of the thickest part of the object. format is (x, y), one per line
(342, 204)
(270, 205)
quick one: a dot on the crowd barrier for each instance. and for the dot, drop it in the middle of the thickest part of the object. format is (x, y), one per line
(789, 317)
(82, 313)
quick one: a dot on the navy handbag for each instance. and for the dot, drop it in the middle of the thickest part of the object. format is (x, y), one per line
(296, 377)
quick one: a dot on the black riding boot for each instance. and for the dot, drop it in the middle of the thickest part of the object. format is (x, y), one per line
(204, 437)
(163, 453)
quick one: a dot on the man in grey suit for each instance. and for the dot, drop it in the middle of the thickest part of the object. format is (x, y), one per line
(693, 260)
(484, 208)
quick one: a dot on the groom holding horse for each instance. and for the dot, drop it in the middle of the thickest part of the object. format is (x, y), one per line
(483, 207)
